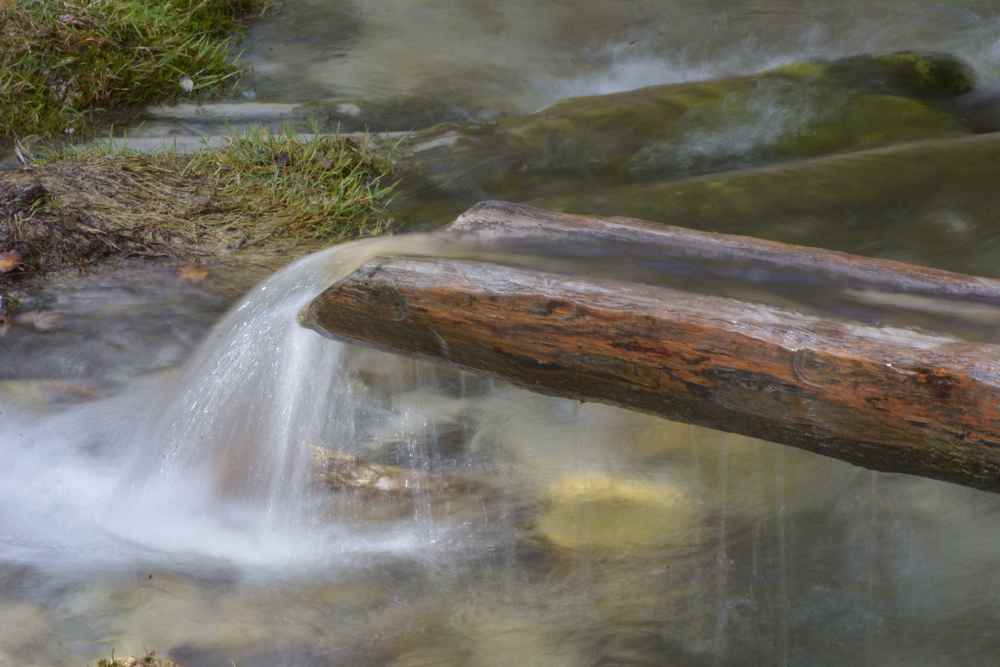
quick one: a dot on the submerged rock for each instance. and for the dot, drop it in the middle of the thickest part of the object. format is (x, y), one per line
(930, 202)
(792, 112)
(371, 491)
(345, 472)
(617, 516)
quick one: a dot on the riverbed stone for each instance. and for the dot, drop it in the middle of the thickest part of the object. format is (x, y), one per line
(597, 512)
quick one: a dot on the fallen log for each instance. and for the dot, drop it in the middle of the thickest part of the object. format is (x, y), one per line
(526, 229)
(885, 398)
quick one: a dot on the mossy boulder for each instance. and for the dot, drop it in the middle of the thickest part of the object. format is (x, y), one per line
(797, 111)
(933, 202)
(926, 74)
(616, 516)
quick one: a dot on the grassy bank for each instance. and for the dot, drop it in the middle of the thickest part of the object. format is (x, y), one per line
(262, 193)
(65, 63)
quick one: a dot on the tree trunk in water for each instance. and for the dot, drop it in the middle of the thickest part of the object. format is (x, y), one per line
(888, 399)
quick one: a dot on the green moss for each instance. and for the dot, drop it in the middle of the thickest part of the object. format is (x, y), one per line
(797, 111)
(867, 121)
(64, 62)
(809, 69)
(929, 74)
(931, 202)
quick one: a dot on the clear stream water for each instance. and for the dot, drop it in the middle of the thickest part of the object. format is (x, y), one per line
(522, 55)
(155, 489)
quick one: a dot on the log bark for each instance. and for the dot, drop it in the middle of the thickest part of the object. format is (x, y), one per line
(887, 399)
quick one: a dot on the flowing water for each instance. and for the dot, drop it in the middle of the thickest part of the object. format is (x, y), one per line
(160, 443)
(521, 56)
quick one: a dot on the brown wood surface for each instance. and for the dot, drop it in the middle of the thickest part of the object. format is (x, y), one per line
(886, 399)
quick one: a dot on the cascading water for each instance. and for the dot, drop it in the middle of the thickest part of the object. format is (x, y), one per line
(142, 520)
(255, 396)
(178, 514)
(214, 458)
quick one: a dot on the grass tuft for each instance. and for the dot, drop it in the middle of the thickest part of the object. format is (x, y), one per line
(64, 63)
(327, 187)
(262, 193)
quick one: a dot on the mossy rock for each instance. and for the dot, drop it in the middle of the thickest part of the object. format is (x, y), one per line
(616, 516)
(928, 74)
(796, 111)
(932, 202)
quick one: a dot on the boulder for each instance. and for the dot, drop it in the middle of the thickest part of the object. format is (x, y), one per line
(660, 132)
(371, 492)
(931, 202)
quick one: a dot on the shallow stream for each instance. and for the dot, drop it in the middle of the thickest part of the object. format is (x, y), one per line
(156, 490)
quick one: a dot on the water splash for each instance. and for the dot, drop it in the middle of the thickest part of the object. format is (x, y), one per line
(212, 460)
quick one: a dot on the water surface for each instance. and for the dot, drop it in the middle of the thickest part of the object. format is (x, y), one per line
(149, 503)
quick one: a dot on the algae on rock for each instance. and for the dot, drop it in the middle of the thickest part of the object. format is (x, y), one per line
(796, 111)
(933, 202)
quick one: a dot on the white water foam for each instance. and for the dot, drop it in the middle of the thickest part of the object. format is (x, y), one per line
(212, 461)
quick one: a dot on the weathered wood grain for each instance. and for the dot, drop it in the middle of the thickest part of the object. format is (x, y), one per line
(886, 399)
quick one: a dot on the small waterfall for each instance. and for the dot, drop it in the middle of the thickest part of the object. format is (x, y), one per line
(258, 394)
(213, 459)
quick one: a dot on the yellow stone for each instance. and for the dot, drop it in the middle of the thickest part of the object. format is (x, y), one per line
(604, 513)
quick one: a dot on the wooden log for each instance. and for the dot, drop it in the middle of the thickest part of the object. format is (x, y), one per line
(527, 229)
(887, 399)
